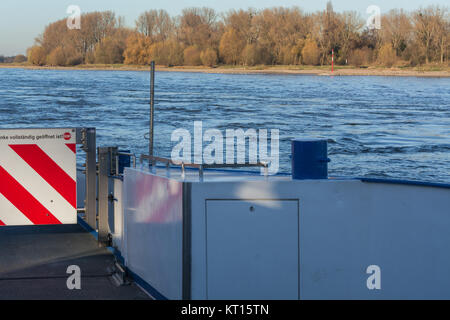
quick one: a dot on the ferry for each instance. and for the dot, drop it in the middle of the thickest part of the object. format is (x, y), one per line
(126, 226)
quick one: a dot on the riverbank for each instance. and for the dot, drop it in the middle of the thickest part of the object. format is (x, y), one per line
(423, 71)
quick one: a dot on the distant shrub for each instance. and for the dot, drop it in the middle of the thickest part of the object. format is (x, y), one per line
(254, 54)
(109, 51)
(414, 59)
(90, 57)
(158, 53)
(387, 56)
(209, 57)
(175, 52)
(192, 56)
(74, 60)
(20, 58)
(359, 57)
(64, 56)
(56, 57)
(37, 56)
(310, 53)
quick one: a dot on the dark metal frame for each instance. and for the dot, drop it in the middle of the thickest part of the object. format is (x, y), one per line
(187, 242)
(87, 138)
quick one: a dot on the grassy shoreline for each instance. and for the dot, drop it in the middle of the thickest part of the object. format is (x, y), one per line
(424, 71)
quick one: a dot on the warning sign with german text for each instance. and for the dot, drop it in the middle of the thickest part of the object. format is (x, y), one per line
(37, 177)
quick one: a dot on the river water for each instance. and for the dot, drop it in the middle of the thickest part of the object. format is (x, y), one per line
(385, 127)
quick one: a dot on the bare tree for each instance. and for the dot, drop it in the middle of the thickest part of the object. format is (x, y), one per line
(426, 28)
(397, 29)
(442, 41)
(351, 24)
(198, 26)
(155, 24)
(328, 28)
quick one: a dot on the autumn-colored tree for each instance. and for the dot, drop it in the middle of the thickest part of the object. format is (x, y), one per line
(250, 55)
(310, 53)
(109, 51)
(242, 21)
(37, 56)
(387, 56)
(77, 44)
(199, 27)
(192, 56)
(254, 54)
(270, 36)
(231, 46)
(56, 57)
(174, 52)
(137, 49)
(209, 57)
(53, 36)
(158, 54)
(279, 30)
(291, 55)
(168, 53)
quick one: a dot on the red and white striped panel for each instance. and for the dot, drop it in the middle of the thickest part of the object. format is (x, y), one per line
(38, 177)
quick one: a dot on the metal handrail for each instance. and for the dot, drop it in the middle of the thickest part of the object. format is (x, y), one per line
(154, 160)
(131, 155)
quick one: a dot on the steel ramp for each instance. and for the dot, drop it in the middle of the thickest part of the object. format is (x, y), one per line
(34, 261)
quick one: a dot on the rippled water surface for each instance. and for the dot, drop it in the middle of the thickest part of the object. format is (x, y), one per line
(388, 127)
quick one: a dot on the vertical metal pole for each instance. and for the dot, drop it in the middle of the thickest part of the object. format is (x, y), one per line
(91, 177)
(152, 109)
(104, 194)
(187, 242)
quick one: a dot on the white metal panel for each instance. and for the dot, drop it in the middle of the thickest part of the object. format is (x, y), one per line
(117, 234)
(153, 230)
(402, 229)
(345, 226)
(252, 249)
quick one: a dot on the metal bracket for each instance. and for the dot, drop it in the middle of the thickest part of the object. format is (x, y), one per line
(119, 275)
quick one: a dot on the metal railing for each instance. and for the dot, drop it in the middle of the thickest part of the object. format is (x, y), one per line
(153, 161)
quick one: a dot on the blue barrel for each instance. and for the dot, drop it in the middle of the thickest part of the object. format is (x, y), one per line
(309, 159)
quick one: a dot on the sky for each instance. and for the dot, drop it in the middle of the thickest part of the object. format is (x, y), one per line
(21, 21)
